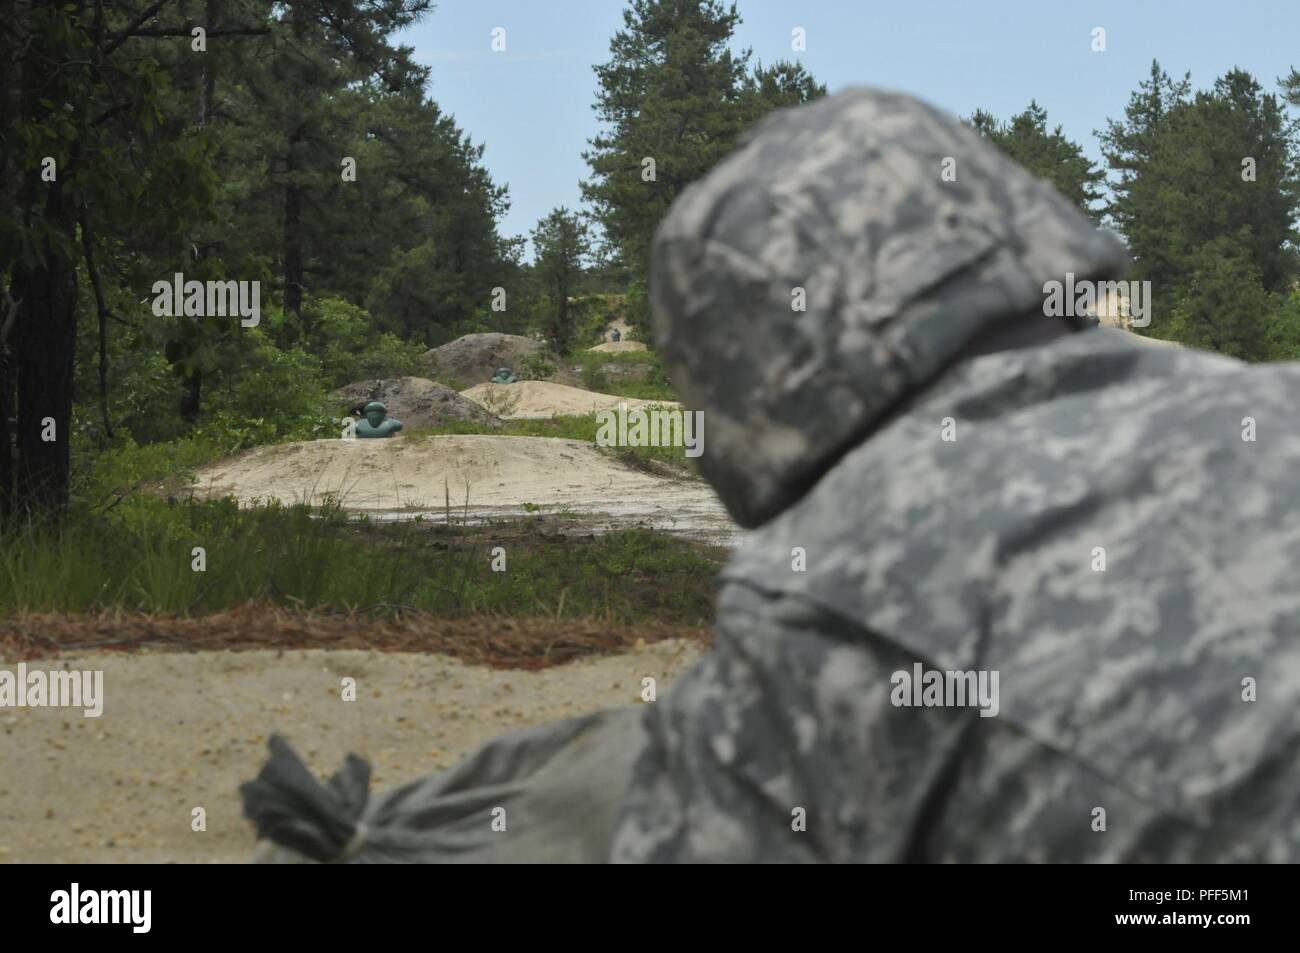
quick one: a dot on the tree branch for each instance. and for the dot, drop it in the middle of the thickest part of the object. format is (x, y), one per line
(188, 30)
(138, 22)
(88, 251)
(12, 317)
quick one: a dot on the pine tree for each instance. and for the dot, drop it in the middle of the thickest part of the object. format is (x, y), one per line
(1050, 155)
(1207, 194)
(85, 162)
(674, 99)
(562, 247)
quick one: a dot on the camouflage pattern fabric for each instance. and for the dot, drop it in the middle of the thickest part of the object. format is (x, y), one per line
(839, 207)
(964, 533)
(1119, 689)
(1108, 528)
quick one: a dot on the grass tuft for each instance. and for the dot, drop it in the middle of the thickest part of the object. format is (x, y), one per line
(140, 558)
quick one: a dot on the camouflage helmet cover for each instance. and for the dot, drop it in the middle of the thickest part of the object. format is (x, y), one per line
(842, 205)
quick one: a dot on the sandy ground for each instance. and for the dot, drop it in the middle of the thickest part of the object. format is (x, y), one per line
(404, 476)
(541, 399)
(618, 347)
(121, 788)
(625, 330)
(1156, 342)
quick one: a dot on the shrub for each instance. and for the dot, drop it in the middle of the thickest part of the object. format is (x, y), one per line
(535, 367)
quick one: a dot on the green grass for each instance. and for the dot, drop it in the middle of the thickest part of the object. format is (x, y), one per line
(103, 478)
(129, 537)
(651, 383)
(672, 460)
(138, 558)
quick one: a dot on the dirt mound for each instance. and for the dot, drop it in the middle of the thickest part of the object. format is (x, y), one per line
(417, 402)
(476, 357)
(408, 475)
(542, 399)
(618, 347)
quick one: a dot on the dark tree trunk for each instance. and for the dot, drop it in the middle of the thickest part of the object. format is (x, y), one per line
(101, 308)
(293, 241)
(192, 397)
(44, 342)
(562, 321)
(191, 404)
(208, 87)
(293, 264)
(6, 413)
(10, 178)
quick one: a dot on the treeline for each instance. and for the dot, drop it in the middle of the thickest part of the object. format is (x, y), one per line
(288, 144)
(295, 145)
(1204, 189)
(673, 100)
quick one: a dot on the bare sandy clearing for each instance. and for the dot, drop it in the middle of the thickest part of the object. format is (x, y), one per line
(181, 731)
(408, 475)
(533, 400)
(1157, 342)
(618, 347)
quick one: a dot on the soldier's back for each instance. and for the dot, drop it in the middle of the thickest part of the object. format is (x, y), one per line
(1095, 545)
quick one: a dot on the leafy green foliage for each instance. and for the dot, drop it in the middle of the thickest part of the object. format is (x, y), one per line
(1223, 305)
(1051, 155)
(1173, 145)
(1207, 195)
(227, 165)
(583, 428)
(651, 383)
(351, 349)
(562, 247)
(675, 93)
(535, 367)
(276, 395)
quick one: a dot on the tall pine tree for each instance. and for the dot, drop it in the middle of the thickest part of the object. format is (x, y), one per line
(674, 99)
(1050, 155)
(561, 245)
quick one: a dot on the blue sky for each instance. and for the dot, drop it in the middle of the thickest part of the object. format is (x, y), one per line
(531, 105)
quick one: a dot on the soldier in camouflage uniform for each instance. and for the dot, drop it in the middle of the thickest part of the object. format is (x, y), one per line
(940, 478)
